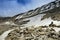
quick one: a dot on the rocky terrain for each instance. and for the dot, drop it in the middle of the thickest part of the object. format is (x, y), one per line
(31, 33)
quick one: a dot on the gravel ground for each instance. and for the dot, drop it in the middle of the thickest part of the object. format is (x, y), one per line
(38, 33)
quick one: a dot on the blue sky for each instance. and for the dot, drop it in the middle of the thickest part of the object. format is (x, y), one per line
(13, 7)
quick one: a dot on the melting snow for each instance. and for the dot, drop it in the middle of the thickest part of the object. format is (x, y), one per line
(2, 37)
(56, 29)
(19, 17)
(9, 23)
(36, 21)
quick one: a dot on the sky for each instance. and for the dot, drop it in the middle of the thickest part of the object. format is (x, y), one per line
(14, 7)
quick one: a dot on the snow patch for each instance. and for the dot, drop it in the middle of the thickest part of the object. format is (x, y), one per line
(36, 21)
(56, 22)
(56, 29)
(9, 23)
(4, 35)
(19, 17)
